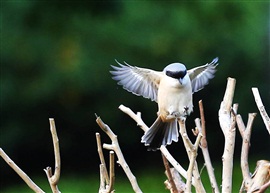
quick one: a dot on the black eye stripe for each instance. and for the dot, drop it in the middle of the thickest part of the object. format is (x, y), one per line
(177, 74)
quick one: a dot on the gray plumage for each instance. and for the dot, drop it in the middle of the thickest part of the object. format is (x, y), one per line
(171, 88)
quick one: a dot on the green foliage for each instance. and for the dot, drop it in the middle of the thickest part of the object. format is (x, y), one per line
(56, 57)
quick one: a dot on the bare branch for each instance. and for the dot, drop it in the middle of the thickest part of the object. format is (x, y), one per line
(192, 154)
(200, 124)
(103, 184)
(229, 93)
(174, 163)
(53, 179)
(261, 177)
(206, 156)
(246, 134)
(116, 148)
(261, 108)
(101, 157)
(137, 118)
(227, 124)
(21, 173)
(168, 173)
(241, 125)
(112, 175)
(264, 187)
(180, 185)
(192, 162)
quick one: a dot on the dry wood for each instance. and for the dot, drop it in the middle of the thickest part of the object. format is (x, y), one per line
(170, 184)
(137, 118)
(180, 185)
(112, 174)
(192, 154)
(102, 160)
(21, 173)
(227, 124)
(261, 108)
(116, 148)
(200, 124)
(54, 178)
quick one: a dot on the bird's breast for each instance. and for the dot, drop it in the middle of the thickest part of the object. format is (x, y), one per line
(174, 97)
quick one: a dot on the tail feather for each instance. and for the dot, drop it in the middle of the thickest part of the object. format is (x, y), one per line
(160, 133)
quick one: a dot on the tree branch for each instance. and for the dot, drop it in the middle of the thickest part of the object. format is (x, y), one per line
(261, 177)
(21, 173)
(116, 148)
(171, 184)
(101, 157)
(137, 118)
(112, 174)
(227, 124)
(246, 134)
(192, 154)
(200, 124)
(261, 108)
(53, 179)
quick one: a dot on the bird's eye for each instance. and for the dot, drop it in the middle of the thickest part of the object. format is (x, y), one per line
(176, 74)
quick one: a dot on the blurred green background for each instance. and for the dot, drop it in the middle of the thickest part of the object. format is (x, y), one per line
(55, 62)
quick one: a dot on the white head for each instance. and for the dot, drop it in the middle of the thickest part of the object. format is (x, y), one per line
(177, 71)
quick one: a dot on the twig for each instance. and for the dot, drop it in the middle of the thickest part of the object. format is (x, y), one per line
(103, 183)
(258, 181)
(112, 175)
(137, 118)
(192, 154)
(200, 124)
(21, 173)
(174, 163)
(227, 124)
(264, 187)
(54, 178)
(116, 148)
(261, 108)
(192, 162)
(171, 182)
(180, 185)
(101, 157)
(261, 177)
(246, 134)
(196, 181)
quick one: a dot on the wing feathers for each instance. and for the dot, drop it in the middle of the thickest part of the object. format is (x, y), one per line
(201, 75)
(139, 81)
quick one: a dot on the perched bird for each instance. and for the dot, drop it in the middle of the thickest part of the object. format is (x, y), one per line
(172, 89)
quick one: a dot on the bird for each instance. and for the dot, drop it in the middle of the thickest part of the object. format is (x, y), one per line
(171, 88)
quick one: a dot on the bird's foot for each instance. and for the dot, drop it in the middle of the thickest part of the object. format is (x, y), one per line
(173, 115)
(186, 112)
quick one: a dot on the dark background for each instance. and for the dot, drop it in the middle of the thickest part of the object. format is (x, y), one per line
(55, 62)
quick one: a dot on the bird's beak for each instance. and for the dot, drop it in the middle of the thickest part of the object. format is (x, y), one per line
(181, 81)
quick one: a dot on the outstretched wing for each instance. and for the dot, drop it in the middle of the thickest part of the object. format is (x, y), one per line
(201, 75)
(140, 81)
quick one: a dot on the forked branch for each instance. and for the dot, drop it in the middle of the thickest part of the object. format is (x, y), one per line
(227, 124)
(137, 118)
(114, 146)
(54, 178)
(200, 125)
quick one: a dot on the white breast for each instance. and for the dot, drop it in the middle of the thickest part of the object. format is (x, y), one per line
(174, 97)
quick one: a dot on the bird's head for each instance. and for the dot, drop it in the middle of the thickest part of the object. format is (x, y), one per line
(177, 71)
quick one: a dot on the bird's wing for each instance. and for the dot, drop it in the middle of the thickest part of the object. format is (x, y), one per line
(140, 81)
(200, 76)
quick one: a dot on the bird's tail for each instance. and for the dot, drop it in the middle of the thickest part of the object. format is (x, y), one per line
(160, 133)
